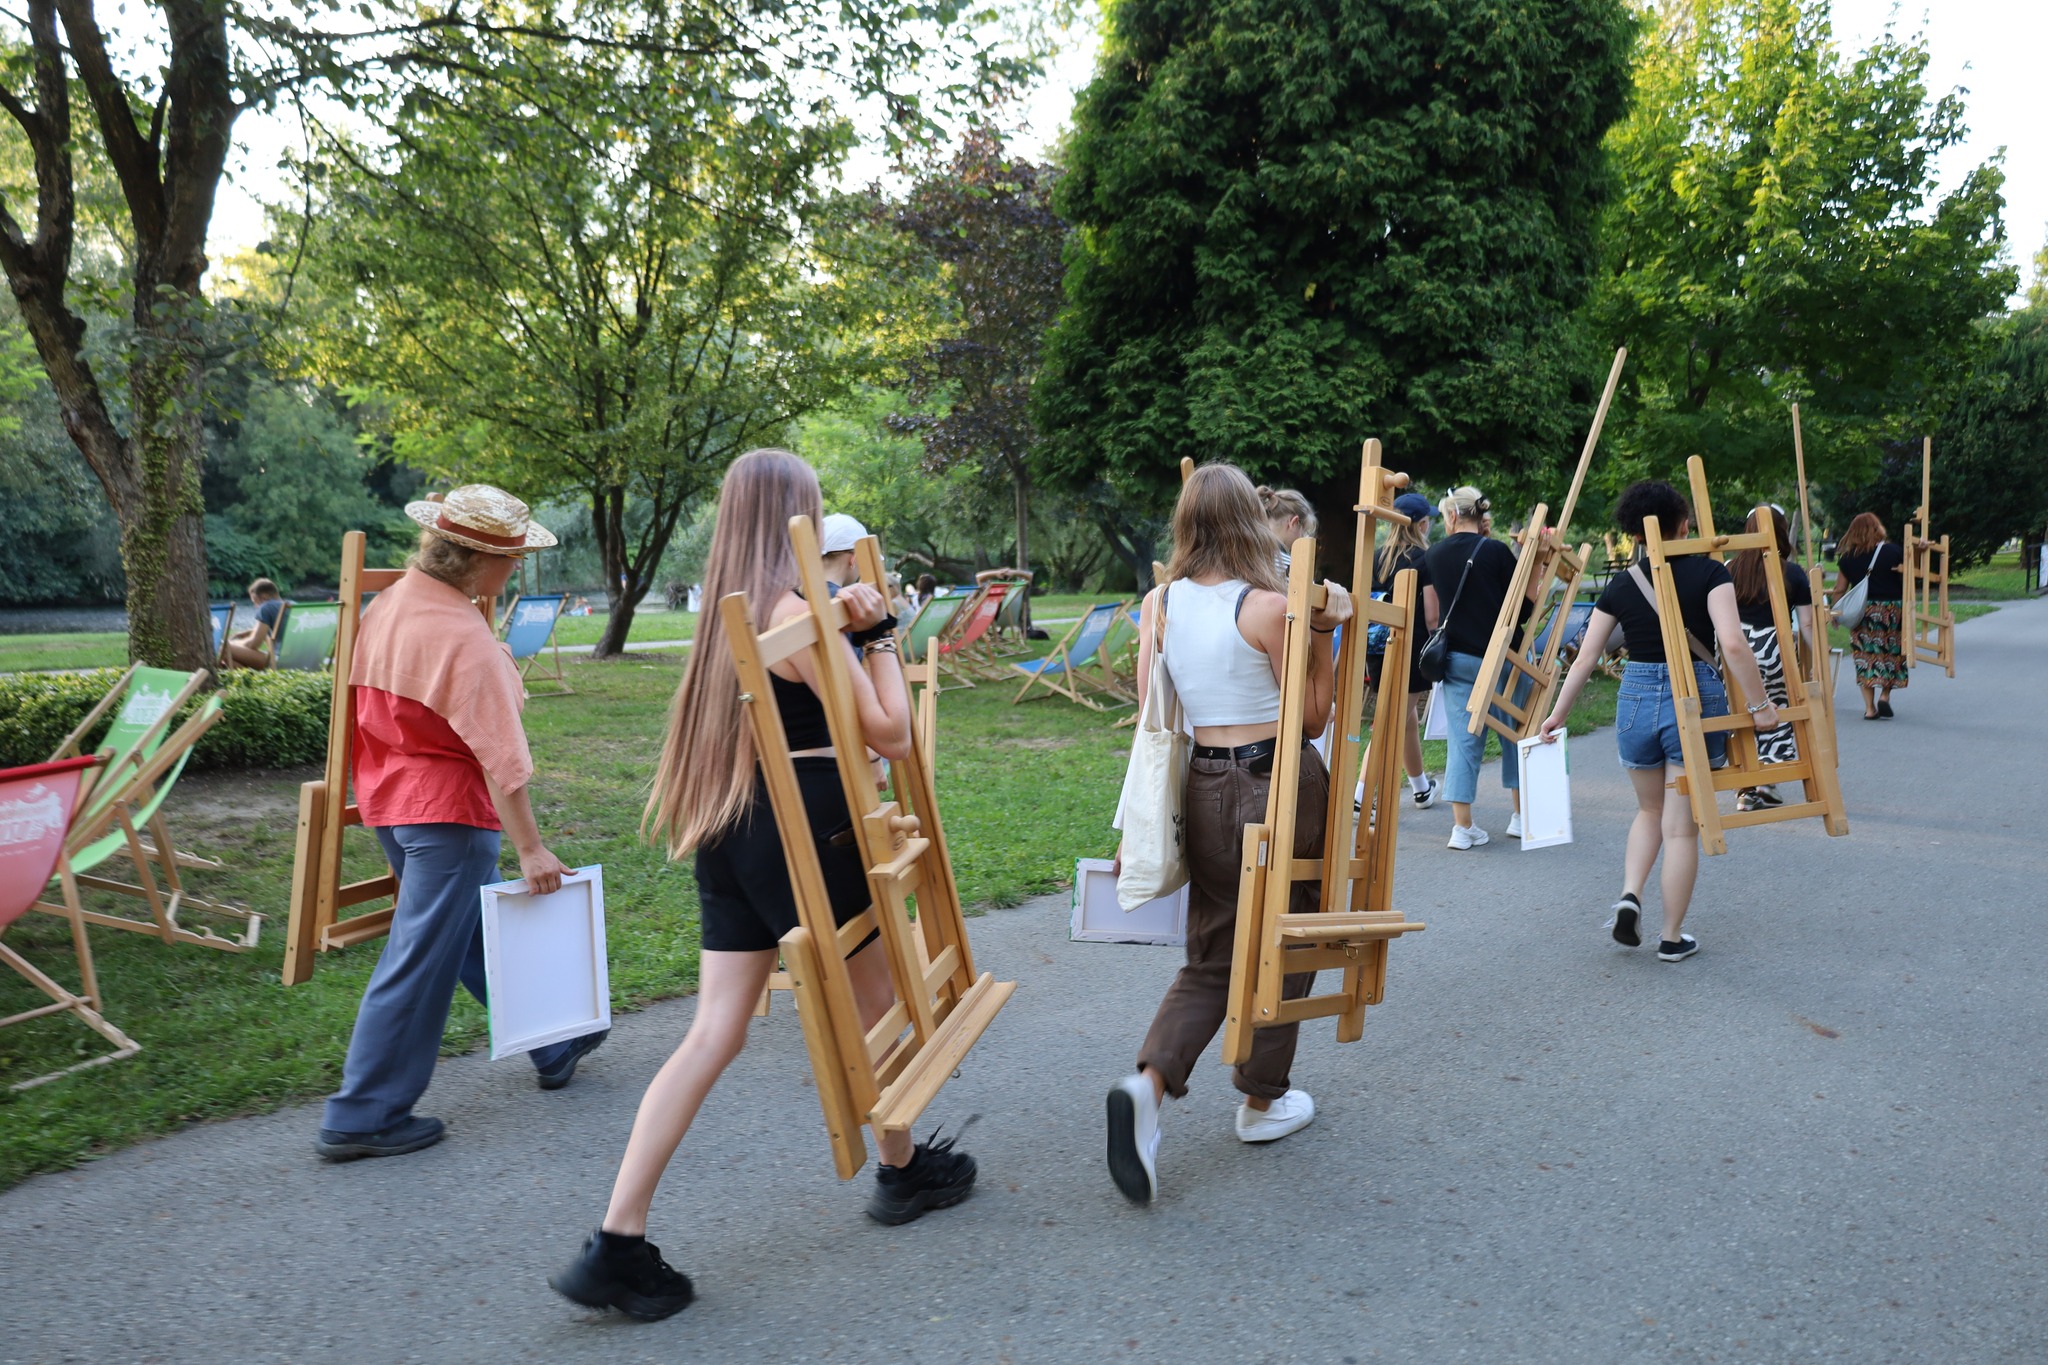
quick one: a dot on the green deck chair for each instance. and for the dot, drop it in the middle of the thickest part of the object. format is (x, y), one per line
(932, 618)
(305, 636)
(147, 699)
(130, 801)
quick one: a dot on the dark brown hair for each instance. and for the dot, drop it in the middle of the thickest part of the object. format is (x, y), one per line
(1751, 581)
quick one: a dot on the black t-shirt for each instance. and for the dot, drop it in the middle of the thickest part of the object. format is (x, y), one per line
(1882, 566)
(1493, 569)
(1798, 593)
(1418, 624)
(1695, 575)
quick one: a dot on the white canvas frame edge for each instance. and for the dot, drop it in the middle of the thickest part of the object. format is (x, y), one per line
(593, 877)
(1085, 870)
(1525, 748)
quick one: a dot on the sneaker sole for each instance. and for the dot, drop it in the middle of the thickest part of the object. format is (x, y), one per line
(632, 1305)
(922, 1203)
(1126, 1166)
(1625, 928)
(357, 1151)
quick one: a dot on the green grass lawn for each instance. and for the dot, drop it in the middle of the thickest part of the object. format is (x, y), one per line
(2001, 579)
(1025, 789)
(78, 649)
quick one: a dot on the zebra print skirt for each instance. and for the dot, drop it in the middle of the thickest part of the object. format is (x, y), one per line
(1779, 745)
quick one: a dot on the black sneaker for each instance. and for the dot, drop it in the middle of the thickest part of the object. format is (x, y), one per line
(936, 1178)
(1687, 945)
(627, 1274)
(1626, 913)
(409, 1134)
(558, 1075)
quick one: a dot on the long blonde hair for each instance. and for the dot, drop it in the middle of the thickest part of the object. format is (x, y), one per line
(1219, 526)
(1283, 505)
(1413, 536)
(706, 776)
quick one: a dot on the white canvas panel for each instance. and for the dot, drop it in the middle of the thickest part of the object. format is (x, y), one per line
(544, 959)
(1099, 919)
(1546, 792)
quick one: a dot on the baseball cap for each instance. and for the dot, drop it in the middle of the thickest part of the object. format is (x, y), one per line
(1414, 506)
(840, 532)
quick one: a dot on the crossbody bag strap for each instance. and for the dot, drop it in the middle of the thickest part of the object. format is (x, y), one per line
(1445, 623)
(1642, 581)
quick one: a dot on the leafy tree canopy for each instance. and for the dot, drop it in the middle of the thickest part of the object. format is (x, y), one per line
(1776, 236)
(1305, 224)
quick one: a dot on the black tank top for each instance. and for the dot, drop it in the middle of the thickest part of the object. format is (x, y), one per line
(803, 714)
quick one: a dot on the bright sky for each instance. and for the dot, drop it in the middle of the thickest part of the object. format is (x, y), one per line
(1989, 48)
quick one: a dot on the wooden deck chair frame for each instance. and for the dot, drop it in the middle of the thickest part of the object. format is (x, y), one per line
(1355, 918)
(1081, 682)
(128, 802)
(953, 649)
(325, 812)
(123, 765)
(1519, 682)
(530, 669)
(1928, 625)
(85, 1002)
(1816, 765)
(907, 633)
(227, 630)
(289, 621)
(882, 1076)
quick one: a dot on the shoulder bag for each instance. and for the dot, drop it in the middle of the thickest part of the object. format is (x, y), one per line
(1435, 659)
(1155, 789)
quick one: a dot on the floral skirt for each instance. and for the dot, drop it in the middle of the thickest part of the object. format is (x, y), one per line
(1880, 660)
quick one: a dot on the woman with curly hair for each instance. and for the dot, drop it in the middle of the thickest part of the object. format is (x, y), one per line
(1866, 552)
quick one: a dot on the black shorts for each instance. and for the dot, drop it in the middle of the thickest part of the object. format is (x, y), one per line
(743, 876)
(1417, 684)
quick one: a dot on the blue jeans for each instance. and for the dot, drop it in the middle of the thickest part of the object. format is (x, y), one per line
(437, 939)
(1461, 767)
(1646, 716)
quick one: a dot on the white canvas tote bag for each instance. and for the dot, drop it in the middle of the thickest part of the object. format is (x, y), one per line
(1155, 792)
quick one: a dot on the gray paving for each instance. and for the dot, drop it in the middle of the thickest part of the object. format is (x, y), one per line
(1818, 1140)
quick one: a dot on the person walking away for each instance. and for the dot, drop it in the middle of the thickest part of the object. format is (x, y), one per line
(710, 798)
(1760, 632)
(836, 538)
(1866, 551)
(1223, 617)
(1405, 549)
(1472, 572)
(250, 648)
(1289, 517)
(441, 774)
(1645, 714)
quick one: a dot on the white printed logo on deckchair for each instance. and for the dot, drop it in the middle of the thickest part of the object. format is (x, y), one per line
(32, 817)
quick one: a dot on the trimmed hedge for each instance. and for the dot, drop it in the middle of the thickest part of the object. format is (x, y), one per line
(268, 720)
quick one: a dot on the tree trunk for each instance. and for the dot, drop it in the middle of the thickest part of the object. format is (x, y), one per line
(625, 583)
(1021, 482)
(163, 532)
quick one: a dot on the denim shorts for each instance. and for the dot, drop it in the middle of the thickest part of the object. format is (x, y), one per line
(1646, 720)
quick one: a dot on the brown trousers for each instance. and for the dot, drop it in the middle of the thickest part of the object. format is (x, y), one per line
(1224, 796)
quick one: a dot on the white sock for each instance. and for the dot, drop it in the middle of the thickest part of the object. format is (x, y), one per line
(1420, 784)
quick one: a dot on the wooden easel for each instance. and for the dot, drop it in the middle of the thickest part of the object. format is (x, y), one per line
(326, 807)
(1518, 683)
(1929, 625)
(1818, 660)
(1355, 917)
(885, 1075)
(1816, 764)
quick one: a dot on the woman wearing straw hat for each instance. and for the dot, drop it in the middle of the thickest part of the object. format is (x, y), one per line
(441, 774)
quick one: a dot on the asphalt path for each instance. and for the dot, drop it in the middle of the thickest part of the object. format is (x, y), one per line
(1819, 1139)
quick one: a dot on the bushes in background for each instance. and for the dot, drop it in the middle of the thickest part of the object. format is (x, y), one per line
(268, 720)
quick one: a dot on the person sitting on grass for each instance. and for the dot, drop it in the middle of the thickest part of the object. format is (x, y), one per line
(710, 798)
(251, 648)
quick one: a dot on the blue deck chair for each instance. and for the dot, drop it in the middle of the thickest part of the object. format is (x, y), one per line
(223, 625)
(1077, 663)
(529, 629)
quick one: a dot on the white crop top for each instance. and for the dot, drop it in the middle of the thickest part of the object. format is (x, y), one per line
(1221, 679)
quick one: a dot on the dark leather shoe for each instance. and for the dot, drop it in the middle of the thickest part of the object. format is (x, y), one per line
(559, 1075)
(407, 1135)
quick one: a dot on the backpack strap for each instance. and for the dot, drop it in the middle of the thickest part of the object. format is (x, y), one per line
(1642, 582)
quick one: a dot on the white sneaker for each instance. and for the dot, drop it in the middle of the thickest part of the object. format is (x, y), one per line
(1515, 825)
(1465, 836)
(1426, 798)
(1134, 1138)
(1291, 1113)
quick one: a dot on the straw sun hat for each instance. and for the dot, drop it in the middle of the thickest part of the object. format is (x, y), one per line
(483, 518)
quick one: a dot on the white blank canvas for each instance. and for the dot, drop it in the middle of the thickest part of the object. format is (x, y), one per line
(1546, 792)
(544, 961)
(1436, 724)
(1099, 919)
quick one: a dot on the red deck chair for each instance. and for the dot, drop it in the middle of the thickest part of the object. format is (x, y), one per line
(37, 806)
(959, 651)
